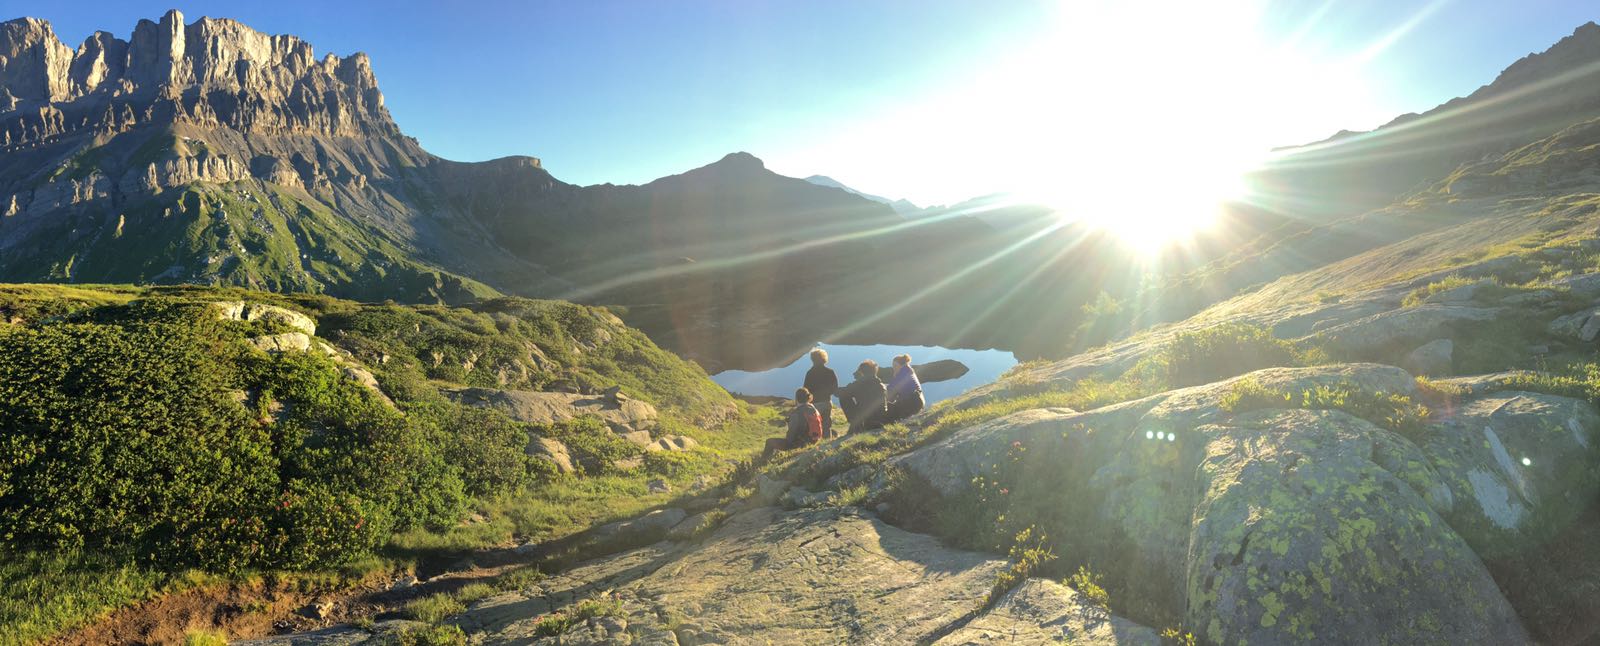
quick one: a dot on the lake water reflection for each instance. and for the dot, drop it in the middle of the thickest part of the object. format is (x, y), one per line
(984, 366)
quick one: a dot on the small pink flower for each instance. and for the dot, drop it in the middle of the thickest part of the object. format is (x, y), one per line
(1004, 491)
(1016, 444)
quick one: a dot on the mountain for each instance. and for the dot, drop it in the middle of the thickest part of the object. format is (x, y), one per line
(902, 206)
(1323, 202)
(212, 153)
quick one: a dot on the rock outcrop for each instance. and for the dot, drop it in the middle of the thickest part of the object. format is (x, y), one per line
(825, 576)
(622, 416)
(1281, 526)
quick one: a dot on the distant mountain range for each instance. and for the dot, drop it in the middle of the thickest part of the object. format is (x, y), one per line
(902, 206)
(211, 153)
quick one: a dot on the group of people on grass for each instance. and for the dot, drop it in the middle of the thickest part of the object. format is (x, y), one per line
(866, 401)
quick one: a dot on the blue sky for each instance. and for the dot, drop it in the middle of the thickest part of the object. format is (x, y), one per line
(928, 99)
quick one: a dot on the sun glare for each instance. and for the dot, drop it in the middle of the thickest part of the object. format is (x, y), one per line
(1137, 121)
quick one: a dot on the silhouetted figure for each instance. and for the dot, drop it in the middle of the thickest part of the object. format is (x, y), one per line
(805, 426)
(823, 383)
(865, 400)
(905, 390)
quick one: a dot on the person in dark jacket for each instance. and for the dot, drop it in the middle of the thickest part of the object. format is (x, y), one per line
(823, 383)
(864, 400)
(905, 390)
(804, 426)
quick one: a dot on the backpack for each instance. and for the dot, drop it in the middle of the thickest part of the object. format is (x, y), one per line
(813, 425)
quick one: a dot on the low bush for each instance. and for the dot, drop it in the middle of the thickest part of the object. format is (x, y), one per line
(1088, 584)
(1226, 350)
(593, 447)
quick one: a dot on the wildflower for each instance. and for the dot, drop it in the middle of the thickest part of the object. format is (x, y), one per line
(1004, 491)
(1016, 444)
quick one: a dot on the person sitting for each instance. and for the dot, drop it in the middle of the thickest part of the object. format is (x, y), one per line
(822, 382)
(905, 390)
(805, 426)
(864, 401)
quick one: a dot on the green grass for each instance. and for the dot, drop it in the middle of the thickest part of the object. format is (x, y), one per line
(1392, 411)
(435, 608)
(559, 622)
(428, 636)
(1421, 294)
(44, 593)
(472, 592)
(205, 638)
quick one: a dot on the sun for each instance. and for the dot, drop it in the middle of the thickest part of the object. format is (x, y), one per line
(1141, 119)
(1153, 205)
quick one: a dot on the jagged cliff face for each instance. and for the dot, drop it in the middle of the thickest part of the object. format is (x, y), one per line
(210, 73)
(213, 153)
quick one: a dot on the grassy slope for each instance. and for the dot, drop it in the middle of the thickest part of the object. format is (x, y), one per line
(414, 351)
(248, 233)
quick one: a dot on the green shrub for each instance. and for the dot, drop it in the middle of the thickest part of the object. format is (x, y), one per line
(1088, 585)
(1223, 351)
(591, 444)
(1028, 553)
(1177, 637)
(594, 608)
(119, 436)
(485, 446)
(553, 624)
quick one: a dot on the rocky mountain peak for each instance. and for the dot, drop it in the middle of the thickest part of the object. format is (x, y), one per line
(211, 72)
(741, 159)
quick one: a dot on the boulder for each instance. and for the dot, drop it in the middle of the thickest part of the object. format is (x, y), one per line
(672, 443)
(1520, 466)
(930, 372)
(1590, 329)
(694, 525)
(658, 485)
(1270, 526)
(643, 530)
(244, 311)
(637, 438)
(1584, 287)
(286, 342)
(552, 451)
(1456, 295)
(1432, 359)
(1384, 333)
(537, 407)
(364, 377)
(1324, 529)
(1575, 326)
(797, 498)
